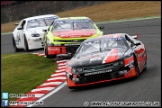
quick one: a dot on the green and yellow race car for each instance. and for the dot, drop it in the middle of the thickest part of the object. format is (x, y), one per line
(65, 35)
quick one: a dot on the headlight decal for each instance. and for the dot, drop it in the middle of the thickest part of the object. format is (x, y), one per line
(77, 70)
(75, 78)
(119, 63)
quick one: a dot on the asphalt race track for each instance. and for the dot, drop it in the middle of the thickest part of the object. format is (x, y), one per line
(146, 88)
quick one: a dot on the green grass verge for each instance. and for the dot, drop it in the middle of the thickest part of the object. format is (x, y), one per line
(23, 72)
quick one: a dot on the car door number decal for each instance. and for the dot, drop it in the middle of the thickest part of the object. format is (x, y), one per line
(18, 37)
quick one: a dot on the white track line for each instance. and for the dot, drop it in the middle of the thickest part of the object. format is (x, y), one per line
(45, 88)
(49, 94)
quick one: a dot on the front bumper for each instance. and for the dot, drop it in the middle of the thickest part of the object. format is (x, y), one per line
(35, 43)
(82, 80)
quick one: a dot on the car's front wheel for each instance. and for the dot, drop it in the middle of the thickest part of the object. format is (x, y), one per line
(14, 45)
(75, 88)
(145, 66)
(26, 47)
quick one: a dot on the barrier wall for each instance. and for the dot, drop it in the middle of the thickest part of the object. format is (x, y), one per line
(26, 9)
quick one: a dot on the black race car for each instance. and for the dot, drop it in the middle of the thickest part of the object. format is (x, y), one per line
(106, 58)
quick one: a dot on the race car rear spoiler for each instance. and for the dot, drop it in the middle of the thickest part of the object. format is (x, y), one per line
(135, 36)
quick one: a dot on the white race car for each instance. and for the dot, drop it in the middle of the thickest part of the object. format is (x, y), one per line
(28, 35)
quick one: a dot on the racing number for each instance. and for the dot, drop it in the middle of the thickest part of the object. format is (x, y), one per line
(18, 37)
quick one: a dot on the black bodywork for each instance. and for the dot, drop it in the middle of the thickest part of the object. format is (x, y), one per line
(91, 68)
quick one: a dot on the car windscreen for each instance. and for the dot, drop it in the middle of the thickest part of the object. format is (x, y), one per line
(36, 23)
(110, 43)
(89, 47)
(77, 24)
(41, 22)
(49, 20)
(101, 45)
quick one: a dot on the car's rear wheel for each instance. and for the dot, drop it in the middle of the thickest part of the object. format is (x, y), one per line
(26, 47)
(145, 66)
(14, 45)
(136, 66)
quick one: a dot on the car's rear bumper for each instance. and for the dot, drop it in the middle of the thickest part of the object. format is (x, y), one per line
(52, 50)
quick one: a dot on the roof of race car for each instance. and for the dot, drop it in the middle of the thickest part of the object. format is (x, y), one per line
(41, 16)
(68, 18)
(115, 35)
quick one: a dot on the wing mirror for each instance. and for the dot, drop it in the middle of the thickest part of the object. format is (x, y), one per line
(19, 28)
(44, 30)
(101, 27)
(136, 36)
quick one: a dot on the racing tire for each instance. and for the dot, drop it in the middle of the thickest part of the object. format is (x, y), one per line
(136, 67)
(26, 47)
(14, 45)
(71, 88)
(74, 88)
(145, 66)
(46, 52)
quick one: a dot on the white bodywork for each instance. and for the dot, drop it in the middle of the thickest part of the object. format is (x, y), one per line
(24, 31)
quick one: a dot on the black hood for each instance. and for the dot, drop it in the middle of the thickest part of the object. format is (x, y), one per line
(97, 58)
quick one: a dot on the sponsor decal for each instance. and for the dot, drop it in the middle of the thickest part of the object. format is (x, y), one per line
(76, 35)
(18, 37)
(50, 17)
(111, 56)
(53, 48)
(70, 21)
(98, 72)
(37, 39)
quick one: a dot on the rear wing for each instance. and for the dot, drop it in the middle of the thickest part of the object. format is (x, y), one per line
(135, 36)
